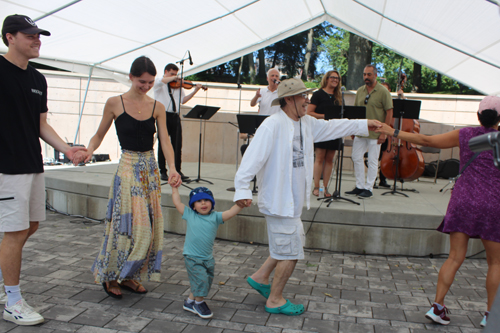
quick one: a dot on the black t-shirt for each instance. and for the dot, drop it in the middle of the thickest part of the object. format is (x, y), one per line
(324, 102)
(23, 97)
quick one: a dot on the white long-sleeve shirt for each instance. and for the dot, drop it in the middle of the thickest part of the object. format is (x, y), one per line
(270, 154)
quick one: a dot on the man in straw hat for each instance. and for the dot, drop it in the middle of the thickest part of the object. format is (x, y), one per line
(282, 155)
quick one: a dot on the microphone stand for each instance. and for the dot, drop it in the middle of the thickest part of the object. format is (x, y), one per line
(232, 189)
(340, 163)
(177, 141)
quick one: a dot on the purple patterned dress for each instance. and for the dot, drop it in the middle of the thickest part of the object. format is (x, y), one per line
(474, 207)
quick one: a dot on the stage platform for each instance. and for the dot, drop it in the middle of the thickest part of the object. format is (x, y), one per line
(386, 225)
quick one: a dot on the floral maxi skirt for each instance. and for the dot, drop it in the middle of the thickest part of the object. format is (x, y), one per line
(133, 238)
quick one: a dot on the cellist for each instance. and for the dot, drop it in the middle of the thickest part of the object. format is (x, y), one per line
(378, 102)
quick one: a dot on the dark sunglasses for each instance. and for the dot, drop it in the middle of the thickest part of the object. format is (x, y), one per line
(366, 98)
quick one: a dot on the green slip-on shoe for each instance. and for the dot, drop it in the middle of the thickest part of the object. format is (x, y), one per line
(263, 289)
(288, 309)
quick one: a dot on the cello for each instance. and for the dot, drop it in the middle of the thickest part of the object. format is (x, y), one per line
(402, 160)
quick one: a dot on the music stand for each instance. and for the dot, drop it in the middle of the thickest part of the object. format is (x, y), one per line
(248, 124)
(403, 109)
(202, 112)
(341, 112)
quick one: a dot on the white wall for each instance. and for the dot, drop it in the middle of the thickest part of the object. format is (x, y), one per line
(439, 113)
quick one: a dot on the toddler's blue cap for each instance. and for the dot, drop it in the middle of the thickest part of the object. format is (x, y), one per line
(201, 193)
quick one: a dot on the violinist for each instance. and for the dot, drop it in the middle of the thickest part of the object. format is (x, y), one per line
(378, 102)
(265, 96)
(171, 97)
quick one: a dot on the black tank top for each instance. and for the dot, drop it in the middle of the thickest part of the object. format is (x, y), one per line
(133, 134)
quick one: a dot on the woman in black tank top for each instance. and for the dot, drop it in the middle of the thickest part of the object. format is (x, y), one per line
(132, 245)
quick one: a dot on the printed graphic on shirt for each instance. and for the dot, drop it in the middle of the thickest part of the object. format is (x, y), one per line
(298, 149)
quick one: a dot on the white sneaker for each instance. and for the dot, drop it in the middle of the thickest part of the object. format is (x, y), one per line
(22, 314)
(485, 319)
(438, 316)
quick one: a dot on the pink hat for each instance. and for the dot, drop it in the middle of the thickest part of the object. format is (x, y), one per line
(490, 103)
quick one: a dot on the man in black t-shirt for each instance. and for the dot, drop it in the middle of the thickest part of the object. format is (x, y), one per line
(23, 120)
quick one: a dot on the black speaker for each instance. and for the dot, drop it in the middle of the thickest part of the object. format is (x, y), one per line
(60, 157)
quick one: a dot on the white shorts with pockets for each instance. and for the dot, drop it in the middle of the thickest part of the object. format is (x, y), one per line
(22, 200)
(286, 237)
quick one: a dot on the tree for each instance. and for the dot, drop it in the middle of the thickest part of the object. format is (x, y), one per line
(251, 65)
(262, 67)
(337, 45)
(310, 40)
(417, 77)
(359, 55)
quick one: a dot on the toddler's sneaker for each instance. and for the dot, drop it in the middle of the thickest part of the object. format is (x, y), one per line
(189, 307)
(438, 316)
(485, 319)
(203, 311)
(22, 314)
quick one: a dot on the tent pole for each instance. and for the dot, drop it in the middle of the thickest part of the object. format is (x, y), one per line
(83, 104)
(57, 10)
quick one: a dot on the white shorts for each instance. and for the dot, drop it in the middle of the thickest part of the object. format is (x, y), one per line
(22, 199)
(286, 237)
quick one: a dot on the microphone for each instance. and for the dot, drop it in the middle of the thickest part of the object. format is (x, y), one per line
(488, 141)
(276, 81)
(484, 142)
(190, 59)
(343, 89)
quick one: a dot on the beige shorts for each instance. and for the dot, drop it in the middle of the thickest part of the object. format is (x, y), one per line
(286, 238)
(22, 199)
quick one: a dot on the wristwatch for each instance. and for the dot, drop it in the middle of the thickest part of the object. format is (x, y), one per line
(396, 133)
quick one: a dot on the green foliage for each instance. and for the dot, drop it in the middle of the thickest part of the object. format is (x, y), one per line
(336, 45)
(289, 53)
(312, 84)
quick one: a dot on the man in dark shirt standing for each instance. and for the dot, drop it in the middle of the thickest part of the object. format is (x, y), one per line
(23, 120)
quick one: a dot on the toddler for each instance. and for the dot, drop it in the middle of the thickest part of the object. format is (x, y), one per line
(202, 223)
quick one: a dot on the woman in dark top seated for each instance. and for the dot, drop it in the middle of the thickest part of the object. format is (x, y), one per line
(322, 101)
(131, 250)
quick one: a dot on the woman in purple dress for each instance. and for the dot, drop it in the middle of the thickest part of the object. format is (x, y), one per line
(474, 208)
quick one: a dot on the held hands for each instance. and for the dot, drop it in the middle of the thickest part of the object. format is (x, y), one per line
(175, 179)
(385, 129)
(373, 124)
(244, 203)
(197, 87)
(77, 154)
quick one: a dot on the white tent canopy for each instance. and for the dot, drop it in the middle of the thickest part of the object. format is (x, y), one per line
(458, 38)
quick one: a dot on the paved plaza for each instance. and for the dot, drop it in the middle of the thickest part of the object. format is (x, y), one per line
(341, 292)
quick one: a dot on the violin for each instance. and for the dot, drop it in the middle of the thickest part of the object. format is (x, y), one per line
(184, 84)
(403, 160)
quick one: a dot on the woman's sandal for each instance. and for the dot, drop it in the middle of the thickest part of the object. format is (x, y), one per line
(327, 194)
(263, 289)
(134, 290)
(316, 191)
(108, 291)
(288, 309)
